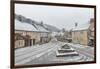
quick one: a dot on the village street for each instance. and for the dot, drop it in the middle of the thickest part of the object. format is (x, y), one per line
(28, 54)
(40, 38)
(46, 53)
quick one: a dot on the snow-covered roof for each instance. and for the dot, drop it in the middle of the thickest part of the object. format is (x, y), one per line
(23, 23)
(54, 33)
(24, 26)
(40, 28)
(81, 27)
(51, 28)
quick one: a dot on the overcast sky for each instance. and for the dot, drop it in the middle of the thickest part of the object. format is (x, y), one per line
(61, 17)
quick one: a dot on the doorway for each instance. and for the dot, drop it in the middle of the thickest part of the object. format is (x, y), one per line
(33, 41)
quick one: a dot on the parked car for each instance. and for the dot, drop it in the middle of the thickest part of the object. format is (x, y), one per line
(91, 43)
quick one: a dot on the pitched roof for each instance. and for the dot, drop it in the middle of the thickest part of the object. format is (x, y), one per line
(23, 23)
(24, 26)
(51, 28)
(81, 27)
(40, 28)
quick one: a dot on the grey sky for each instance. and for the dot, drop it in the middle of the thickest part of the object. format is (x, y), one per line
(61, 17)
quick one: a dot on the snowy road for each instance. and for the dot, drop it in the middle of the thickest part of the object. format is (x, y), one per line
(46, 53)
(23, 56)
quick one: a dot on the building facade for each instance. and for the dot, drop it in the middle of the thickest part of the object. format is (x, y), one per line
(91, 32)
(28, 33)
(84, 34)
(80, 34)
(80, 37)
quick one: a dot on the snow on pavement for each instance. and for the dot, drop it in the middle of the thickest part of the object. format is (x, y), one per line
(27, 54)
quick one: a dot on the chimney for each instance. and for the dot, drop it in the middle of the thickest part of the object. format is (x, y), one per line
(41, 22)
(76, 24)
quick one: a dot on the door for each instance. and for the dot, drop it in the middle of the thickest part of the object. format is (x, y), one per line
(33, 41)
(26, 42)
(30, 42)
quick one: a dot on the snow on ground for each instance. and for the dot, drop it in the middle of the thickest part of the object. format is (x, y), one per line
(85, 50)
(28, 54)
(39, 53)
(19, 50)
(80, 46)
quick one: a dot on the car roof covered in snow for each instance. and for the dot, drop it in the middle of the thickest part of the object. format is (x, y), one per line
(24, 26)
(81, 27)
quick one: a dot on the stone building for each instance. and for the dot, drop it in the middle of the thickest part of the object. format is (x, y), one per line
(80, 34)
(84, 33)
(29, 33)
(91, 32)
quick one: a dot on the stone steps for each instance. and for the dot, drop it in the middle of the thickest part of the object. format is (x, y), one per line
(66, 51)
(66, 54)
